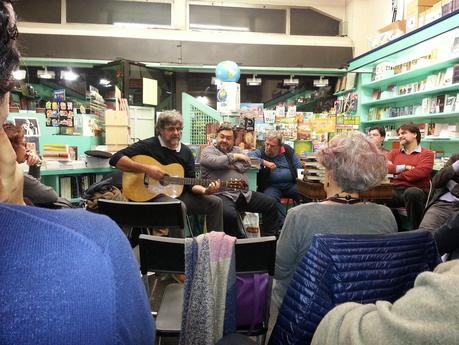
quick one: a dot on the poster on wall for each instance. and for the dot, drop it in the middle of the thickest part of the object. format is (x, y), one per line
(29, 125)
(59, 114)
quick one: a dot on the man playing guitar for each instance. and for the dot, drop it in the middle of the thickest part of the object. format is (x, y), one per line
(166, 148)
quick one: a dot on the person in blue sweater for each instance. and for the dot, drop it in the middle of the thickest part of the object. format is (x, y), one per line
(278, 172)
(67, 276)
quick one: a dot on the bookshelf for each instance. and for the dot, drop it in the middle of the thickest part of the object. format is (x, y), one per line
(70, 183)
(413, 79)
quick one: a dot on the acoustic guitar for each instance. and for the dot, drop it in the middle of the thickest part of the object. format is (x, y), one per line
(140, 187)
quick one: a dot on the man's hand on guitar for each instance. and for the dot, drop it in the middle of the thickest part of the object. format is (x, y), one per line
(154, 172)
(241, 157)
(213, 187)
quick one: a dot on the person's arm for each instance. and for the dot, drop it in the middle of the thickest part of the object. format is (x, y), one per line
(127, 164)
(37, 192)
(211, 159)
(449, 171)
(296, 162)
(422, 170)
(425, 315)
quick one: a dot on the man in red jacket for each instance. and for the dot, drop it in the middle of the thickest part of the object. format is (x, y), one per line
(412, 166)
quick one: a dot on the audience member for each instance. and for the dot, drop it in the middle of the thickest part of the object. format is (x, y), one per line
(278, 171)
(352, 164)
(225, 161)
(412, 166)
(445, 199)
(35, 192)
(377, 135)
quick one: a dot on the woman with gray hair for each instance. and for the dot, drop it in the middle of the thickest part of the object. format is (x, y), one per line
(352, 164)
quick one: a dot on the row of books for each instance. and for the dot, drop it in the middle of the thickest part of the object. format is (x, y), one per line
(428, 131)
(444, 78)
(72, 187)
(430, 105)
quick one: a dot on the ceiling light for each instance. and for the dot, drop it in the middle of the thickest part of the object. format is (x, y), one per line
(218, 27)
(203, 99)
(291, 81)
(69, 75)
(320, 82)
(45, 74)
(254, 81)
(104, 82)
(19, 74)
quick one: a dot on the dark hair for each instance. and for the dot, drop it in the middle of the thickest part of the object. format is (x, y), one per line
(226, 126)
(9, 54)
(412, 128)
(381, 130)
(15, 134)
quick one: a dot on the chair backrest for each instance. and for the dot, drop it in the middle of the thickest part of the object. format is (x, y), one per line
(144, 214)
(162, 254)
(350, 268)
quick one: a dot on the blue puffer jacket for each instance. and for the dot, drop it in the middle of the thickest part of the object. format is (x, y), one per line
(350, 268)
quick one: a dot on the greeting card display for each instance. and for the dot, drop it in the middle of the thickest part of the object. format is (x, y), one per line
(59, 114)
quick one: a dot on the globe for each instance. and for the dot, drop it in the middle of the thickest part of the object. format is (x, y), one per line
(227, 71)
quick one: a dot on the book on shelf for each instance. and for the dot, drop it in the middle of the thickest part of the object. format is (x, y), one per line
(350, 81)
(450, 103)
(455, 46)
(448, 80)
(456, 73)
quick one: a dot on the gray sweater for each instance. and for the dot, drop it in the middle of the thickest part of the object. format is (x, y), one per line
(426, 315)
(304, 221)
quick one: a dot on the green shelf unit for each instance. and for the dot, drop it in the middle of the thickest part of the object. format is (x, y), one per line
(432, 116)
(52, 177)
(414, 95)
(414, 74)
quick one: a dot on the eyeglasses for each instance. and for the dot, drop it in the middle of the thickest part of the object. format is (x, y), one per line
(173, 129)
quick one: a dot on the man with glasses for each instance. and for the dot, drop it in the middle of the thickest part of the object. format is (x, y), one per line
(226, 162)
(167, 149)
(377, 135)
(278, 172)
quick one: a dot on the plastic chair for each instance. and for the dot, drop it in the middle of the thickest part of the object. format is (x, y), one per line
(350, 268)
(161, 254)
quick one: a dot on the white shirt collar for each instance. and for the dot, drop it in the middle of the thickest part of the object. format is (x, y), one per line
(163, 144)
(417, 149)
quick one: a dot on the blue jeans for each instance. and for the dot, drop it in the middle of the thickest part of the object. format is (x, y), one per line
(277, 194)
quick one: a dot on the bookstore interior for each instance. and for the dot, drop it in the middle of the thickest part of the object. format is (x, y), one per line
(411, 74)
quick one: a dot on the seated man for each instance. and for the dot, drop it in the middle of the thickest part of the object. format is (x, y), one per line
(35, 192)
(377, 135)
(277, 176)
(225, 161)
(166, 148)
(411, 166)
(445, 200)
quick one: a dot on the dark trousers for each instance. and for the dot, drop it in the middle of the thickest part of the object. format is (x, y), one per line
(277, 194)
(259, 203)
(414, 200)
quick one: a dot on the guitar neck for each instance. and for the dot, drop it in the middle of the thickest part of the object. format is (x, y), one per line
(187, 181)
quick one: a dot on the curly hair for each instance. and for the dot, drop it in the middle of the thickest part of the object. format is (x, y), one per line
(9, 54)
(167, 118)
(14, 133)
(354, 162)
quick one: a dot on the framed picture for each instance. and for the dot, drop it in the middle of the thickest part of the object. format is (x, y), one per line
(30, 126)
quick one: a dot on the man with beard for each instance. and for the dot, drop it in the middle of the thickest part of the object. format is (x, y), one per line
(225, 161)
(411, 166)
(278, 173)
(166, 148)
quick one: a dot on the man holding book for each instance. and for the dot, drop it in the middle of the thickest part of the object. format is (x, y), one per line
(412, 166)
(166, 148)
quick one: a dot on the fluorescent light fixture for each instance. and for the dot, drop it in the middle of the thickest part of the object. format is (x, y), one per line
(104, 82)
(254, 81)
(69, 75)
(45, 74)
(19, 74)
(320, 82)
(291, 81)
(218, 27)
(141, 25)
(203, 99)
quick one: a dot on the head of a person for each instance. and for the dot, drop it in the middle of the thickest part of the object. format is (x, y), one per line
(377, 135)
(353, 162)
(225, 137)
(16, 136)
(9, 54)
(169, 126)
(273, 144)
(409, 133)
